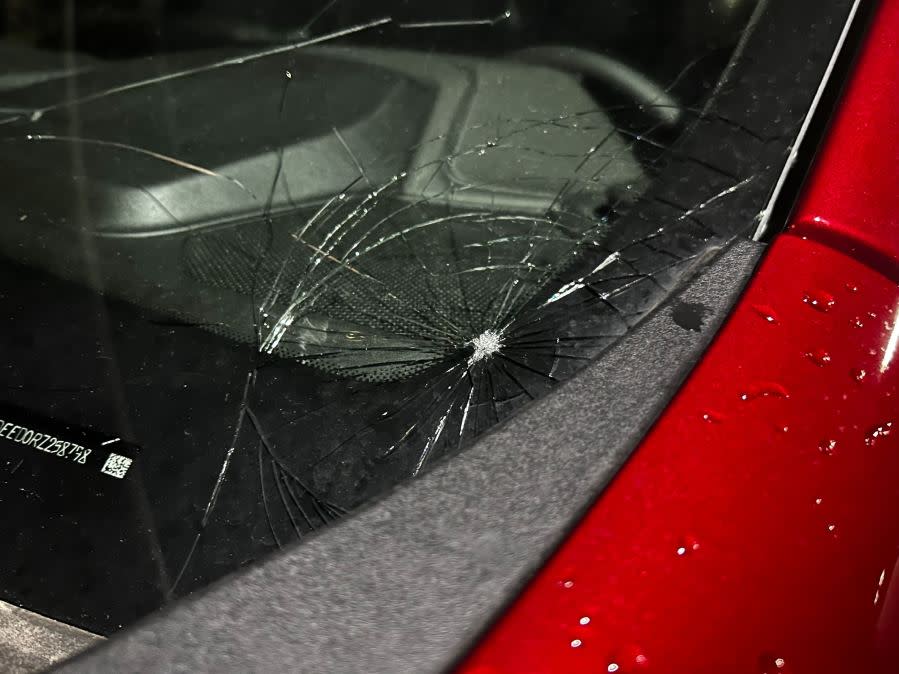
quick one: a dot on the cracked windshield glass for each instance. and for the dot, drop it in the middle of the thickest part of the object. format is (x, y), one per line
(263, 262)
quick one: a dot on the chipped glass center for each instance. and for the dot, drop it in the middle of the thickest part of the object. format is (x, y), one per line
(485, 345)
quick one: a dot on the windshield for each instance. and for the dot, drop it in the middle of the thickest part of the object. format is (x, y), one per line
(262, 264)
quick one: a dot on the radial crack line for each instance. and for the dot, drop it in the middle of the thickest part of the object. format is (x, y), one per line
(210, 505)
(352, 155)
(459, 23)
(141, 150)
(723, 193)
(237, 60)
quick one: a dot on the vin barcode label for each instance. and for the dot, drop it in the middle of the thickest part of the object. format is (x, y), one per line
(23, 429)
(116, 465)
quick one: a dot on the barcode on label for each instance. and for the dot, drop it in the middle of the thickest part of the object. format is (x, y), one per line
(116, 465)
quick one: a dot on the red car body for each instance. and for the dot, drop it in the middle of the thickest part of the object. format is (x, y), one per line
(757, 527)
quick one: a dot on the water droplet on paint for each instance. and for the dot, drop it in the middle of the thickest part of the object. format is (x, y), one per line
(819, 357)
(820, 300)
(771, 664)
(826, 447)
(878, 432)
(766, 313)
(686, 546)
(628, 660)
(764, 390)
